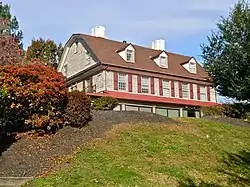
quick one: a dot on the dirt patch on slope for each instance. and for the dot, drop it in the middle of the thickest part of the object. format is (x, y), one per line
(31, 157)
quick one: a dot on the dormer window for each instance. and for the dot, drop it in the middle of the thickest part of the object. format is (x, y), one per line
(163, 61)
(130, 55)
(192, 67)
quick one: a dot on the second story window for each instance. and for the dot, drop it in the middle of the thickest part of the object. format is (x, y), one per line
(185, 90)
(163, 61)
(165, 87)
(203, 93)
(122, 83)
(130, 55)
(145, 85)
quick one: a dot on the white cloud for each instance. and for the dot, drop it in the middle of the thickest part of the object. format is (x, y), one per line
(130, 18)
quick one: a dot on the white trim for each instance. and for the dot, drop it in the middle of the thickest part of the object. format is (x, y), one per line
(65, 54)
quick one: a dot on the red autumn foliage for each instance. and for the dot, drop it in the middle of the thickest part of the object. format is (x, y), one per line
(36, 94)
(9, 50)
(78, 109)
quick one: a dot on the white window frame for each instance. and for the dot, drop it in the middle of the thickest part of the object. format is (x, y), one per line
(166, 87)
(65, 70)
(122, 81)
(163, 61)
(203, 95)
(185, 90)
(145, 84)
(192, 67)
(130, 53)
(76, 48)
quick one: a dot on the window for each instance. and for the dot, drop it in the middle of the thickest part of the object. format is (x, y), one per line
(122, 81)
(185, 90)
(88, 85)
(76, 47)
(203, 93)
(65, 70)
(74, 87)
(130, 55)
(165, 87)
(145, 85)
(163, 61)
(192, 67)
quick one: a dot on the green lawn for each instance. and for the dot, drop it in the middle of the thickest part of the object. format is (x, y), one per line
(189, 152)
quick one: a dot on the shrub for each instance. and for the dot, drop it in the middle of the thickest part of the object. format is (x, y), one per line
(213, 110)
(78, 109)
(235, 110)
(34, 96)
(105, 103)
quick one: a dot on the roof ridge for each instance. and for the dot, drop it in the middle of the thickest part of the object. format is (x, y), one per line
(136, 45)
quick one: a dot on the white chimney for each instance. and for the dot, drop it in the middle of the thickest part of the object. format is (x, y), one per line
(98, 31)
(158, 44)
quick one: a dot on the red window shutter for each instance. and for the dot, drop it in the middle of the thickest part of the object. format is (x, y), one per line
(129, 82)
(191, 91)
(152, 85)
(160, 87)
(180, 89)
(208, 93)
(115, 81)
(172, 89)
(198, 92)
(83, 86)
(139, 83)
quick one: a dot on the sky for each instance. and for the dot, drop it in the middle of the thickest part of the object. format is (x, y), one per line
(184, 24)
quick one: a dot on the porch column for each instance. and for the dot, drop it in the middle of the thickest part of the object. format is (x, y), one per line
(154, 109)
(181, 112)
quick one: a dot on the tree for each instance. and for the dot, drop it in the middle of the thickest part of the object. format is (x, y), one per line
(9, 50)
(45, 50)
(14, 25)
(32, 96)
(227, 54)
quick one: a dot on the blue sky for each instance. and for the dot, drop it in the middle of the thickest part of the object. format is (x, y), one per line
(184, 24)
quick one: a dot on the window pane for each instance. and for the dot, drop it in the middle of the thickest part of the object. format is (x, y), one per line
(122, 81)
(185, 113)
(165, 87)
(163, 61)
(203, 93)
(162, 111)
(192, 67)
(185, 90)
(145, 109)
(129, 55)
(145, 85)
(132, 108)
(173, 113)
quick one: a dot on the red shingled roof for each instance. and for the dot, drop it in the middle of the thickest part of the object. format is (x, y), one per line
(106, 52)
(151, 98)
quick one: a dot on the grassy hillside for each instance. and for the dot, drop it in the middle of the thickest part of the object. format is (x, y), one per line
(188, 152)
